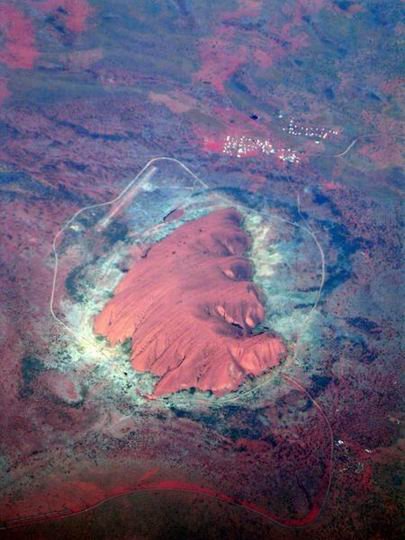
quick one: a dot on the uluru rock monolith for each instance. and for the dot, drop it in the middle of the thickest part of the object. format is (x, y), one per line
(190, 307)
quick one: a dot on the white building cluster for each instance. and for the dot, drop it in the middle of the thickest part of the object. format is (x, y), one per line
(297, 129)
(244, 146)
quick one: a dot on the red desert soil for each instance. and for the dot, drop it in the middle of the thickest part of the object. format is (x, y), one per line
(17, 39)
(190, 307)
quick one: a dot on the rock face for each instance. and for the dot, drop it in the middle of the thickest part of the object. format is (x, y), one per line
(190, 307)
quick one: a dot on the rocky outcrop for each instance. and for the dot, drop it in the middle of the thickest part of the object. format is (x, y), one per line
(190, 307)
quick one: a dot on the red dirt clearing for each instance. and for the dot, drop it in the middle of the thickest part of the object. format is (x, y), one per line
(17, 46)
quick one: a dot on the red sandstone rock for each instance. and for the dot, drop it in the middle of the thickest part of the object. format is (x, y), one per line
(190, 308)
